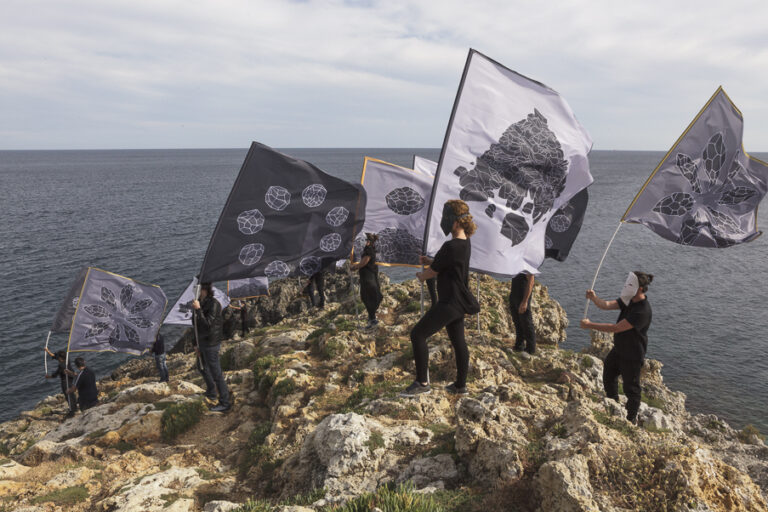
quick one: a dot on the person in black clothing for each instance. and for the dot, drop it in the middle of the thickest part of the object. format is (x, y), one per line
(432, 288)
(630, 339)
(66, 381)
(520, 306)
(85, 385)
(158, 350)
(316, 282)
(208, 322)
(451, 267)
(370, 289)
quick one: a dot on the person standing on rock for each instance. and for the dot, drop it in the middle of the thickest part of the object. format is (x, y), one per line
(66, 381)
(158, 351)
(316, 282)
(85, 385)
(208, 319)
(520, 294)
(451, 268)
(370, 289)
(630, 339)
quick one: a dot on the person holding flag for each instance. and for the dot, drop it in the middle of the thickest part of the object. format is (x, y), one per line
(61, 358)
(630, 339)
(208, 319)
(451, 268)
(370, 290)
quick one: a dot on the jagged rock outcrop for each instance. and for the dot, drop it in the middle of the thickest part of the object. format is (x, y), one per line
(317, 421)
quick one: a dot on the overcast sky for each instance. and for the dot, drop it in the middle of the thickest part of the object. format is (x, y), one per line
(191, 74)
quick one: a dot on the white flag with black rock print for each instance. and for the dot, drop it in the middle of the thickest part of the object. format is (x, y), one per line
(396, 210)
(424, 165)
(515, 153)
(116, 314)
(706, 190)
(248, 288)
(283, 217)
(181, 312)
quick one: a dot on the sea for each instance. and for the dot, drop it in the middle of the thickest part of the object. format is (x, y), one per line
(149, 215)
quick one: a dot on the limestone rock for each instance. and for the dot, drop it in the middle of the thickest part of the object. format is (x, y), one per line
(144, 393)
(148, 494)
(429, 470)
(220, 506)
(563, 485)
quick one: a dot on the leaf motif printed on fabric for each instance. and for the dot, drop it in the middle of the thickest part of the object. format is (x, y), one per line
(690, 170)
(141, 323)
(108, 296)
(131, 335)
(724, 226)
(97, 329)
(676, 204)
(141, 305)
(736, 195)
(126, 294)
(714, 157)
(96, 310)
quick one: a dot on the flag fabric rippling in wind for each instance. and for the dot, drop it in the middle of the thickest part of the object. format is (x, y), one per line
(564, 227)
(706, 190)
(283, 217)
(396, 210)
(515, 153)
(116, 314)
(248, 288)
(181, 312)
(62, 322)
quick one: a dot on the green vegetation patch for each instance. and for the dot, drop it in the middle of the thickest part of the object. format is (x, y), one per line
(66, 496)
(746, 434)
(389, 498)
(265, 371)
(375, 441)
(180, 417)
(284, 387)
(614, 423)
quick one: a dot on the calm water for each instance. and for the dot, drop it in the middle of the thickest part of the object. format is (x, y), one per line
(149, 214)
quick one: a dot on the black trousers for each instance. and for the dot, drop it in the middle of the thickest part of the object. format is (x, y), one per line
(525, 335)
(440, 315)
(212, 375)
(629, 370)
(370, 293)
(432, 287)
(69, 397)
(316, 282)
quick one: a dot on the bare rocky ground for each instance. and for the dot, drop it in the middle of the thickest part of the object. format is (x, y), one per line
(317, 422)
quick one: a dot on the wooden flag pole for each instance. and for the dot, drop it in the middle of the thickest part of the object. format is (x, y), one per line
(594, 280)
(45, 352)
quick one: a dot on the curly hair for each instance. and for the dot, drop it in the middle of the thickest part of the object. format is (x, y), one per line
(644, 280)
(461, 210)
(371, 237)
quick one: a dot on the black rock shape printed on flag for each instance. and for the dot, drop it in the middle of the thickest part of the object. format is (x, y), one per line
(526, 168)
(715, 195)
(404, 201)
(283, 217)
(564, 227)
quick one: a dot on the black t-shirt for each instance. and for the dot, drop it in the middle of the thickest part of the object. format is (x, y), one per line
(60, 369)
(370, 268)
(159, 345)
(518, 287)
(452, 266)
(632, 344)
(87, 394)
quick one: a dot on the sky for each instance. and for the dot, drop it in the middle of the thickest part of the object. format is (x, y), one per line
(102, 74)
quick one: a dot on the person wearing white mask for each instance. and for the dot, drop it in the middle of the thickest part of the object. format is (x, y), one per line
(630, 339)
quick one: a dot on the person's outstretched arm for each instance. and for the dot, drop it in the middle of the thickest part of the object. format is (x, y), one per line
(600, 303)
(622, 326)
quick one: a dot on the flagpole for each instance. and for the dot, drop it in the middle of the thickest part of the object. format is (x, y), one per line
(477, 276)
(422, 293)
(594, 280)
(194, 328)
(45, 352)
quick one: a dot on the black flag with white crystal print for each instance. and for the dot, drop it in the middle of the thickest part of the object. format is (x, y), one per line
(284, 217)
(564, 227)
(706, 190)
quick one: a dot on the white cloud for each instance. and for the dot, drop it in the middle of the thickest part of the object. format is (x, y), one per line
(94, 74)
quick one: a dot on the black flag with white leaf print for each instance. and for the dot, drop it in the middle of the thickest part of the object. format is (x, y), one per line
(284, 217)
(706, 190)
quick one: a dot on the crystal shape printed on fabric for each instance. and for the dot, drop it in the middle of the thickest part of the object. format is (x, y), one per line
(707, 179)
(277, 269)
(309, 265)
(526, 168)
(250, 222)
(277, 198)
(337, 216)
(404, 201)
(314, 195)
(330, 242)
(251, 254)
(398, 245)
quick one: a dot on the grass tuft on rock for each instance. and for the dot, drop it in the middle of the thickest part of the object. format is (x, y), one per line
(180, 417)
(388, 498)
(63, 497)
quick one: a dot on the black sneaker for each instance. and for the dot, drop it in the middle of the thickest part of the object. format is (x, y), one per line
(532, 351)
(220, 408)
(414, 389)
(456, 390)
(517, 348)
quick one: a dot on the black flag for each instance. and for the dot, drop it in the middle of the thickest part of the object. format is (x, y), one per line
(283, 217)
(62, 322)
(564, 227)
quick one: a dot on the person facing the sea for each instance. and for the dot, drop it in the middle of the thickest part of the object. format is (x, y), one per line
(451, 267)
(66, 381)
(208, 319)
(158, 351)
(630, 339)
(316, 282)
(520, 293)
(85, 385)
(370, 289)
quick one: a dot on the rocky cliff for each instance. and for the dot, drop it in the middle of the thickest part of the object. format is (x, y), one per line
(318, 425)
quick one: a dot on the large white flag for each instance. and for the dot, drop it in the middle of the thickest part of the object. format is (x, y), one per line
(396, 210)
(181, 312)
(424, 165)
(515, 153)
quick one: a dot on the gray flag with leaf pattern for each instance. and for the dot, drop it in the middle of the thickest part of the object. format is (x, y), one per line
(706, 190)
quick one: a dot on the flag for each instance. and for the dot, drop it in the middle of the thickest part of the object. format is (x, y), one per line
(396, 210)
(248, 288)
(283, 217)
(62, 322)
(116, 314)
(424, 165)
(706, 190)
(564, 227)
(181, 312)
(515, 153)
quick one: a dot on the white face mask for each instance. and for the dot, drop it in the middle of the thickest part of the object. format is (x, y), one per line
(631, 285)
